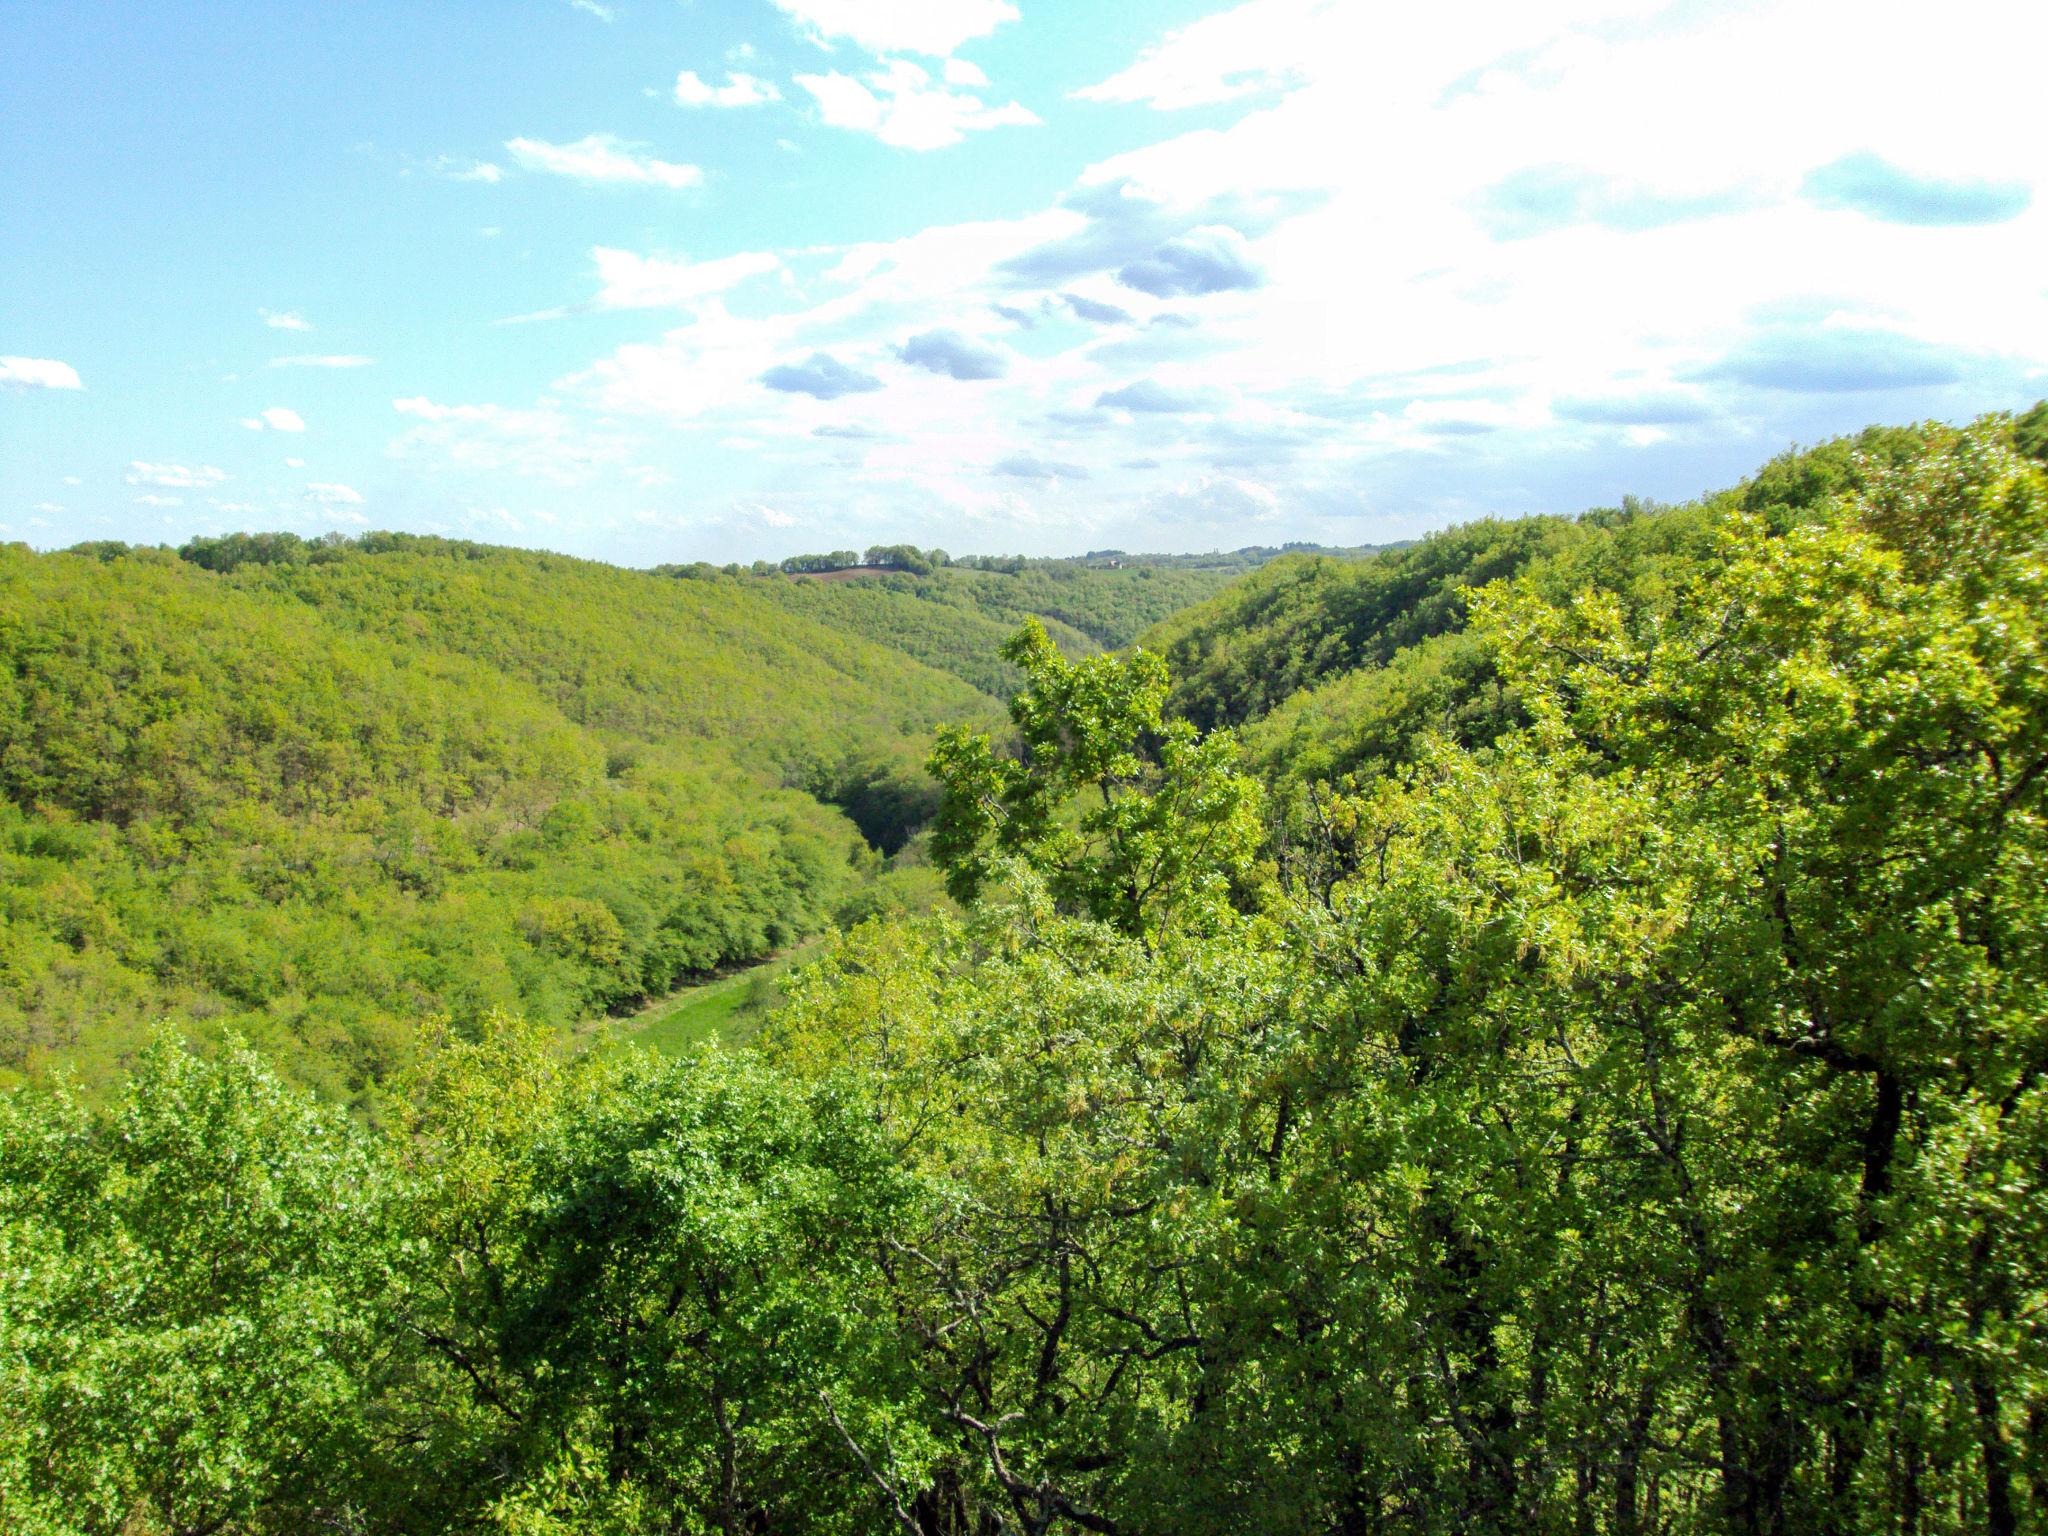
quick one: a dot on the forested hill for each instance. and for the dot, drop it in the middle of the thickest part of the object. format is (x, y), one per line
(956, 615)
(1583, 1072)
(314, 793)
(1331, 667)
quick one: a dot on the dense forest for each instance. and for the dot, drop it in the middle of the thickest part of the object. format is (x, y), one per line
(313, 793)
(1541, 1030)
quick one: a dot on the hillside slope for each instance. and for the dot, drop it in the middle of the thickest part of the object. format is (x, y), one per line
(1331, 667)
(316, 798)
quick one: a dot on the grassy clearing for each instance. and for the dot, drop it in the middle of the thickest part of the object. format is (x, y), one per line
(728, 1010)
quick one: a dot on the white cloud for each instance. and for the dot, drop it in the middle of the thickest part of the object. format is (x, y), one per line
(935, 27)
(294, 463)
(901, 105)
(151, 499)
(632, 281)
(276, 418)
(739, 90)
(456, 169)
(1304, 335)
(174, 476)
(323, 360)
(286, 320)
(592, 8)
(330, 494)
(37, 373)
(543, 442)
(600, 158)
(1221, 57)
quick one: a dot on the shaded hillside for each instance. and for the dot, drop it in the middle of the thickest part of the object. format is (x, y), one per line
(319, 794)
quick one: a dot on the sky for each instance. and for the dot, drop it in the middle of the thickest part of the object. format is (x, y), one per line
(666, 280)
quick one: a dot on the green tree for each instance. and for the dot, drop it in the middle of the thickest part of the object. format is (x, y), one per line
(1135, 820)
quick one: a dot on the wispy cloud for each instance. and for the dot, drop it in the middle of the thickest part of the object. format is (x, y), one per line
(593, 8)
(739, 90)
(540, 442)
(1024, 466)
(1545, 198)
(1833, 360)
(37, 373)
(458, 168)
(628, 280)
(1150, 398)
(902, 105)
(332, 494)
(935, 27)
(177, 477)
(1871, 185)
(285, 320)
(602, 159)
(276, 418)
(1234, 53)
(323, 360)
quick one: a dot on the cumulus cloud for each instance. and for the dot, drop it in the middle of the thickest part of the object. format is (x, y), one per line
(1869, 184)
(276, 418)
(1386, 320)
(935, 27)
(739, 90)
(1157, 245)
(950, 353)
(1147, 397)
(1024, 466)
(285, 320)
(1095, 312)
(902, 105)
(331, 494)
(821, 376)
(603, 160)
(323, 360)
(175, 476)
(1202, 261)
(37, 373)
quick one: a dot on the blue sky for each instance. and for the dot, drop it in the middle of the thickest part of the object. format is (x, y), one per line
(650, 280)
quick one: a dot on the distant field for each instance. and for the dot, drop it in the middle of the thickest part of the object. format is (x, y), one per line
(849, 574)
(728, 1010)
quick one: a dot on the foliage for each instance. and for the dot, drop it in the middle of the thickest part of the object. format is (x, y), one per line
(1631, 1117)
(1134, 820)
(313, 793)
